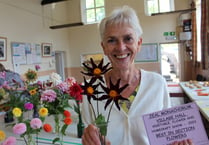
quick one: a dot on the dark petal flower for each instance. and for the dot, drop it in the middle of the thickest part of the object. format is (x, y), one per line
(113, 93)
(96, 70)
(89, 89)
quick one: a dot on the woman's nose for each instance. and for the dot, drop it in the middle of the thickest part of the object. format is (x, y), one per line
(121, 45)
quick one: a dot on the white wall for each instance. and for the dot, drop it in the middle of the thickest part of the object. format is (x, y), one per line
(23, 21)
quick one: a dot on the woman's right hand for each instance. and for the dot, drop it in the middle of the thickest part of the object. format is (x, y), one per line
(91, 136)
(183, 142)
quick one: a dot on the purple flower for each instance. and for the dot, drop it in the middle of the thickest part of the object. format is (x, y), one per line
(63, 86)
(28, 106)
(3, 75)
(10, 141)
(37, 67)
(35, 123)
(49, 95)
(19, 128)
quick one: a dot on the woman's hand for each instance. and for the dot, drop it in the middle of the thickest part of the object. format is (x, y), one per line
(183, 142)
(91, 136)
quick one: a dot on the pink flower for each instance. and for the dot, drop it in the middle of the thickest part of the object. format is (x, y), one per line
(37, 67)
(10, 141)
(70, 81)
(35, 123)
(49, 95)
(28, 106)
(19, 128)
(3, 75)
(63, 86)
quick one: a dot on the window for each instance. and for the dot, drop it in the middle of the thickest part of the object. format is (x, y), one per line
(95, 10)
(158, 6)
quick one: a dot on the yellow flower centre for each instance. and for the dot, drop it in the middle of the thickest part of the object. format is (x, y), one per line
(90, 90)
(33, 92)
(113, 93)
(97, 71)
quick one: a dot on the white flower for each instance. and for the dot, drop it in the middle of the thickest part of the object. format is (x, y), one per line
(55, 78)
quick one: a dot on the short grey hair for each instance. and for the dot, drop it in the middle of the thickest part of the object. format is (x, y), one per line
(121, 15)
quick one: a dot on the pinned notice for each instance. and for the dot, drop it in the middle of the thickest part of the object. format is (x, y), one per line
(176, 124)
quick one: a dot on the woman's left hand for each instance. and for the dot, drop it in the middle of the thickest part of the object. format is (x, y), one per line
(183, 142)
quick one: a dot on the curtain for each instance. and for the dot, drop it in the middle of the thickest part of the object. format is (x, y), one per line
(194, 36)
(204, 34)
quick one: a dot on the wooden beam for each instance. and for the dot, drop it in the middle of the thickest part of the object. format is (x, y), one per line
(171, 12)
(67, 25)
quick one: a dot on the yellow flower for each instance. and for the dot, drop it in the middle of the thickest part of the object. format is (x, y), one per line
(31, 75)
(43, 112)
(17, 112)
(33, 91)
(2, 135)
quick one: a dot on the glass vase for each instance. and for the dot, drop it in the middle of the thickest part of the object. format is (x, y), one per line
(80, 128)
(102, 127)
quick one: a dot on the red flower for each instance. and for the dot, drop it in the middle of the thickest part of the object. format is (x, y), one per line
(47, 127)
(68, 120)
(76, 92)
(67, 113)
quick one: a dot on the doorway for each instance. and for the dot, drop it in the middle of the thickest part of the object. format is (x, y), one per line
(170, 61)
(60, 65)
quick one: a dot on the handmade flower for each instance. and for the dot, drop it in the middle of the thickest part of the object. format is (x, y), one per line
(47, 127)
(96, 71)
(31, 75)
(2, 135)
(113, 93)
(76, 92)
(37, 67)
(10, 141)
(55, 78)
(19, 128)
(67, 113)
(35, 123)
(68, 120)
(17, 112)
(28, 106)
(43, 112)
(49, 95)
(90, 90)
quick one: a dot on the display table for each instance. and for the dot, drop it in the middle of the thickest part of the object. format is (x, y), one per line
(43, 137)
(199, 93)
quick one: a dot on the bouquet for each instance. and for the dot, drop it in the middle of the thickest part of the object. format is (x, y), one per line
(110, 93)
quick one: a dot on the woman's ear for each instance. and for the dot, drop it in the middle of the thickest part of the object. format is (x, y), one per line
(139, 44)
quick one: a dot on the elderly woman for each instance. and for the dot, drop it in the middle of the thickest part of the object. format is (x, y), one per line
(121, 41)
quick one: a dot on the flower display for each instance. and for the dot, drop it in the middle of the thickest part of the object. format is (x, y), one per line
(95, 89)
(34, 103)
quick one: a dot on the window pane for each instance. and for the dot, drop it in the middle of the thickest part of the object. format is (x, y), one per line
(99, 3)
(89, 4)
(164, 6)
(100, 12)
(90, 15)
(152, 6)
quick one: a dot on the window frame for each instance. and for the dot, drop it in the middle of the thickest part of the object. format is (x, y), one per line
(159, 10)
(95, 8)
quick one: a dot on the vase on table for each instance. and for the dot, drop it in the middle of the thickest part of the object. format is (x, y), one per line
(80, 127)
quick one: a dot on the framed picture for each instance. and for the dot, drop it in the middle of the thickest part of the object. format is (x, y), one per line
(46, 49)
(148, 53)
(85, 58)
(3, 49)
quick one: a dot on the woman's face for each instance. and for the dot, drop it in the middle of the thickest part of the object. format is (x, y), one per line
(121, 45)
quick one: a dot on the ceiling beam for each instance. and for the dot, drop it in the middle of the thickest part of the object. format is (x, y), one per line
(45, 2)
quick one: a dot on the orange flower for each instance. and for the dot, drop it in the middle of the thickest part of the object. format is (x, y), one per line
(47, 127)
(68, 120)
(67, 113)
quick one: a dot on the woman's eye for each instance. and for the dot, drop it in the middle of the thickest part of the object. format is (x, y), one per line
(111, 41)
(128, 39)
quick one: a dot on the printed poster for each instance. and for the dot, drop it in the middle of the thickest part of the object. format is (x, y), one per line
(175, 124)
